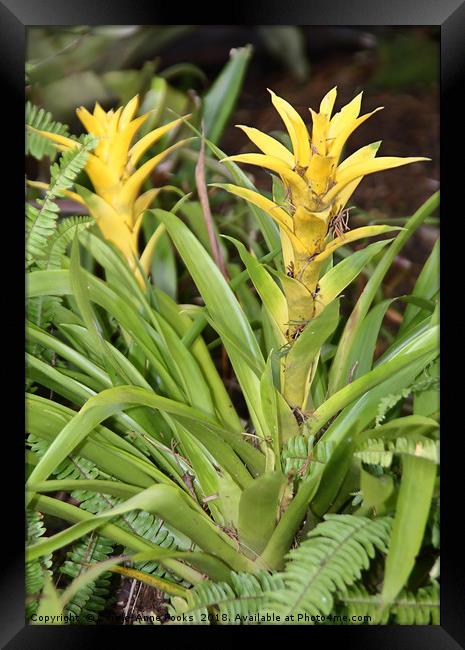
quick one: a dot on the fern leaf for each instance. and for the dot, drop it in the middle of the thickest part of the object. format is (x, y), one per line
(42, 120)
(239, 603)
(89, 601)
(376, 451)
(331, 558)
(388, 402)
(40, 225)
(420, 608)
(72, 162)
(41, 310)
(154, 530)
(60, 240)
(35, 570)
(41, 221)
(298, 454)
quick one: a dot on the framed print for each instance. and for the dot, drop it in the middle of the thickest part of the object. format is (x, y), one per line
(232, 322)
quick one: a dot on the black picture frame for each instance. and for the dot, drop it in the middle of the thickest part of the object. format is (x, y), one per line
(15, 16)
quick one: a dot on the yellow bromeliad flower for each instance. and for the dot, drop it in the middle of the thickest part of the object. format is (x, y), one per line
(318, 185)
(117, 204)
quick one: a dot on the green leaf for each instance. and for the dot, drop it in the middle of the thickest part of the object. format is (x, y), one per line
(50, 606)
(278, 415)
(408, 425)
(227, 316)
(259, 510)
(80, 293)
(419, 608)
(341, 275)
(332, 557)
(115, 488)
(413, 505)
(423, 345)
(87, 578)
(340, 434)
(67, 512)
(376, 451)
(340, 367)
(183, 324)
(219, 299)
(376, 490)
(426, 402)
(41, 222)
(171, 505)
(426, 286)
(270, 293)
(114, 400)
(220, 100)
(41, 120)
(110, 452)
(300, 362)
(215, 568)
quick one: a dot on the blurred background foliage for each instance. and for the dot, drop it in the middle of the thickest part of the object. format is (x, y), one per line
(179, 68)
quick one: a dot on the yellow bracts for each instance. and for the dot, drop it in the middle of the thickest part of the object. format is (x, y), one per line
(318, 186)
(116, 204)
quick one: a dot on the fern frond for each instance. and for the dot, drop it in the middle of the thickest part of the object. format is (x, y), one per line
(298, 455)
(41, 310)
(238, 604)
(388, 402)
(154, 530)
(36, 569)
(40, 225)
(91, 599)
(72, 162)
(420, 608)
(61, 238)
(331, 558)
(40, 119)
(376, 451)
(41, 221)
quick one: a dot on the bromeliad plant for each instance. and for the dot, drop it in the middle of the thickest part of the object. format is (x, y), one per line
(117, 205)
(198, 497)
(313, 219)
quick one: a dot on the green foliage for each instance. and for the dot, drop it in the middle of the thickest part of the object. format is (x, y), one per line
(332, 557)
(140, 523)
(336, 554)
(235, 604)
(300, 452)
(41, 221)
(40, 119)
(381, 452)
(88, 602)
(420, 608)
(46, 237)
(390, 401)
(36, 570)
(61, 238)
(196, 437)
(221, 98)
